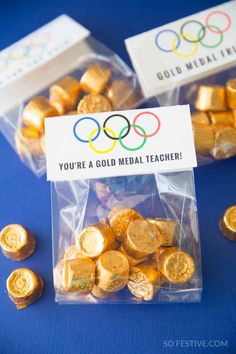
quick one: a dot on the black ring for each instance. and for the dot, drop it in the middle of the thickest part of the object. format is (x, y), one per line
(116, 115)
(189, 40)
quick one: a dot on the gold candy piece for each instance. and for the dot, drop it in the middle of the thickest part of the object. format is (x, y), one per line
(30, 133)
(99, 293)
(222, 117)
(94, 79)
(64, 94)
(112, 271)
(132, 261)
(228, 223)
(143, 238)
(78, 275)
(231, 93)
(24, 287)
(144, 281)
(211, 98)
(96, 239)
(120, 217)
(169, 230)
(36, 111)
(93, 104)
(16, 242)
(121, 95)
(176, 265)
(224, 142)
(73, 252)
(200, 117)
(203, 138)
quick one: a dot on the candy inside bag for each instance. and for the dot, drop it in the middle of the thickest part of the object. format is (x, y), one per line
(72, 75)
(126, 240)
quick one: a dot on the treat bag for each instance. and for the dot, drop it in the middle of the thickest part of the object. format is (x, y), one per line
(124, 214)
(58, 69)
(193, 60)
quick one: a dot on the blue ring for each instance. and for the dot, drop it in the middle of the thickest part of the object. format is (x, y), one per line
(86, 118)
(163, 49)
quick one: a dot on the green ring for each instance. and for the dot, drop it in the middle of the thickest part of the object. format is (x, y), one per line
(138, 147)
(199, 36)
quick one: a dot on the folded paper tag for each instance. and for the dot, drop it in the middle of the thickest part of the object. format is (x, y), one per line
(119, 143)
(185, 50)
(31, 64)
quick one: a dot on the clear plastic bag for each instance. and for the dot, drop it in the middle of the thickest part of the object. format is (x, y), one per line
(28, 142)
(78, 207)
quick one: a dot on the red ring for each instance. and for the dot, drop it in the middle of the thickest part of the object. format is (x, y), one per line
(221, 13)
(147, 135)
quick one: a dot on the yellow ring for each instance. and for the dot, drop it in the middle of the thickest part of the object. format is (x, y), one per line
(100, 151)
(194, 51)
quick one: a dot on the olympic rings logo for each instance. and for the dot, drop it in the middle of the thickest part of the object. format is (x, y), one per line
(202, 30)
(115, 138)
(29, 49)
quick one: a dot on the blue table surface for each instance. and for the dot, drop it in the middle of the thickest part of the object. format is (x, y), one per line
(49, 328)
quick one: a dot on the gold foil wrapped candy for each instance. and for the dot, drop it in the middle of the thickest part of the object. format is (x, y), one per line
(176, 266)
(224, 141)
(78, 275)
(121, 95)
(93, 104)
(36, 111)
(120, 217)
(64, 94)
(211, 98)
(203, 138)
(169, 230)
(95, 79)
(228, 223)
(142, 239)
(73, 252)
(24, 287)
(222, 117)
(16, 242)
(96, 239)
(200, 117)
(231, 93)
(144, 281)
(112, 271)
(132, 261)
(99, 293)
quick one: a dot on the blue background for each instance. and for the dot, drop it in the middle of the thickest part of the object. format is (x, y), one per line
(49, 328)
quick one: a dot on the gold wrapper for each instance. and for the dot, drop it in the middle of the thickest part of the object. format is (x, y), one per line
(95, 79)
(96, 239)
(59, 106)
(224, 142)
(112, 271)
(30, 133)
(203, 138)
(16, 242)
(234, 115)
(64, 94)
(36, 111)
(24, 287)
(143, 238)
(73, 252)
(169, 230)
(176, 266)
(211, 98)
(132, 261)
(120, 217)
(228, 223)
(93, 104)
(231, 93)
(144, 281)
(26, 146)
(99, 293)
(200, 117)
(222, 117)
(121, 95)
(78, 275)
